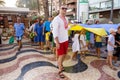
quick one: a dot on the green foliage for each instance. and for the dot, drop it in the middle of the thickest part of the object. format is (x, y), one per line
(31, 4)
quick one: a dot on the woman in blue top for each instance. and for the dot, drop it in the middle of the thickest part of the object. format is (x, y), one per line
(39, 33)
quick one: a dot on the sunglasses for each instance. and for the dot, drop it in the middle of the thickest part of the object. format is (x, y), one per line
(64, 8)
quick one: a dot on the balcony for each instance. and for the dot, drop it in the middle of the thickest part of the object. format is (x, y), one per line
(72, 6)
(71, 1)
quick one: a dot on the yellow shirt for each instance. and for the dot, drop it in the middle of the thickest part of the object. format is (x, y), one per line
(98, 39)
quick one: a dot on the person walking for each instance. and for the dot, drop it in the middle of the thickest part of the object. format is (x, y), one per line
(117, 43)
(75, 45)
(39, 33)
(98, 44)
(31, 30)
(60, 34)
(19, 31)
(47, 31)
(110, 48)
(83, 44)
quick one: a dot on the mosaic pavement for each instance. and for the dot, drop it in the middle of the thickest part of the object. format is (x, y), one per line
(33, 64)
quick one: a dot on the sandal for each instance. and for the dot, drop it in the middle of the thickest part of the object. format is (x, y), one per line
(61, 74)
(63, 68)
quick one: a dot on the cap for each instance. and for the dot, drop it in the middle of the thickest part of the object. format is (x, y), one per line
(112, 30)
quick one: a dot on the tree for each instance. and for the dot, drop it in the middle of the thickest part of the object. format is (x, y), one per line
(46, 9)
(111, 13)
(31, 4)
(41, 5)
(2, 3)
(38, 6)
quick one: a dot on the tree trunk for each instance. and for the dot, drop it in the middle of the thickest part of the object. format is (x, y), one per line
(60, 2)
(112, 6)
(46, 9)
(38, 6)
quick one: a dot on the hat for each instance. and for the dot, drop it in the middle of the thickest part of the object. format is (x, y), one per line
(112, 30)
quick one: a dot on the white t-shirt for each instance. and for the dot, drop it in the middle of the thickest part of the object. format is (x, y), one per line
(111, 39)
(59, 30)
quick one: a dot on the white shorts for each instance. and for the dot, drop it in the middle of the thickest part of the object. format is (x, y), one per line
(18, 38)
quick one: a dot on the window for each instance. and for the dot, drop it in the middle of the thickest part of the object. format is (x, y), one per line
(116, 3)
(95, 6)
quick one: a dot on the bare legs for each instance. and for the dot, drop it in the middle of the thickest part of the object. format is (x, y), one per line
(48, 44)
(19, 44)
(109, 60)
(74, 57)
(41, 45)
(98, 52)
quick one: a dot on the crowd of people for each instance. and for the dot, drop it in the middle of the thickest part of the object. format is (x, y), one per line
(54, 32)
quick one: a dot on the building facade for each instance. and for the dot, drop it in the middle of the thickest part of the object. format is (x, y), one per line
(101, 9)
(98, 9)
(8, 16)
(72, 9)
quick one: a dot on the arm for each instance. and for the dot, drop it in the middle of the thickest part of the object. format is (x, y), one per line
(71, 25)
(35, 29)
(109, 41)
(44, 28)
(81, 38)
(55, 31)
(117, 42)
(111, 44)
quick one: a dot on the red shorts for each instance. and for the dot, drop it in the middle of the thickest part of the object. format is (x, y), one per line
(63, 48)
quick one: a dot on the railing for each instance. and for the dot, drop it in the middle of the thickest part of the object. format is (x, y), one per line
(102, 6)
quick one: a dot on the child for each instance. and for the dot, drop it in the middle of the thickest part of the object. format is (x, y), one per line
(110, 48)
(98, 44)
(75, 45)
(83, 43)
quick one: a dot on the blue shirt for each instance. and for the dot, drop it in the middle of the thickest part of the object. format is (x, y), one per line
(38, 29)
(19, 29)
(47, 25)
